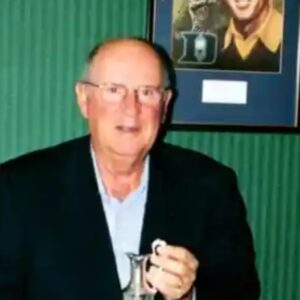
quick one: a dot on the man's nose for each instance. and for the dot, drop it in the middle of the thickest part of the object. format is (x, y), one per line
(131, 104)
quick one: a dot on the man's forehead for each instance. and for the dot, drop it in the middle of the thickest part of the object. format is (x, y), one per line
(125, 48)
(124, 54)
(134, 58)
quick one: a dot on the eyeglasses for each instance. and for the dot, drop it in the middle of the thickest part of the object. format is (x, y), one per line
(115, 92)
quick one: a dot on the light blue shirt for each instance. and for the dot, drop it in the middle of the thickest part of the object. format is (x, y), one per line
(124, 219)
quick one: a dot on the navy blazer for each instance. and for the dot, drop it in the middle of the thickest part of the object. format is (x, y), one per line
(54, 239)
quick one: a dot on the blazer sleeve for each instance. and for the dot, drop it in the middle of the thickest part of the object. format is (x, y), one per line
(10, 244)
(227, 264)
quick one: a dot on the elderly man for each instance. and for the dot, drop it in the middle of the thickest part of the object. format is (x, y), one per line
(69, 213)
(253, 39)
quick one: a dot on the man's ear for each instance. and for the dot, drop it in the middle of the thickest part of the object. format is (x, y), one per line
(82, 99)
(166, 101)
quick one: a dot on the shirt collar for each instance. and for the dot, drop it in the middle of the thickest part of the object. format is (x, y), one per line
(270, 32)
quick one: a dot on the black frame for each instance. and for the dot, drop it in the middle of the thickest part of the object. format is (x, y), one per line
(226, 126)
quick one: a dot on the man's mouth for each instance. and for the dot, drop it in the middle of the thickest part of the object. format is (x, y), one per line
(127, 129)
(242, 4)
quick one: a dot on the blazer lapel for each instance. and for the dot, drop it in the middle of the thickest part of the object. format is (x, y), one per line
(158, 215)
(165, 213)
(160, 212)
(88, 222)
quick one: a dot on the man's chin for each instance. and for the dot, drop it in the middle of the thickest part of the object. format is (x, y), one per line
(244, 16)
(127, 152)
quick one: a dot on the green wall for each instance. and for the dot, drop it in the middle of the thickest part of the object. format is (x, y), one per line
(43, 44)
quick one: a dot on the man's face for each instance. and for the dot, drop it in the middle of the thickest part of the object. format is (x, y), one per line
(127, 128)
(244, 10)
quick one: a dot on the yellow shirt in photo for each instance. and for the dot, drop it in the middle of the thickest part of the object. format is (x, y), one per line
(270, 33)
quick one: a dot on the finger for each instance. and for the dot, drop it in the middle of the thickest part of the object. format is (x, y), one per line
(157, 276)
(175, 267)
(179, 253)
(148, 287)
(170, 265)
(168, 284)
(185, 276)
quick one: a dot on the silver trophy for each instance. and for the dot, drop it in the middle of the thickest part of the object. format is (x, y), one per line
(137, 288)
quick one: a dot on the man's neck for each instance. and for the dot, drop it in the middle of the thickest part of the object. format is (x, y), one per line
(120, 174)
(248, 27)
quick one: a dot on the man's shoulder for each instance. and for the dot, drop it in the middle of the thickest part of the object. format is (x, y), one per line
(44, 159)
(191, 162)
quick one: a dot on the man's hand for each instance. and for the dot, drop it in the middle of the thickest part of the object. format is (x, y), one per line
(173, 272)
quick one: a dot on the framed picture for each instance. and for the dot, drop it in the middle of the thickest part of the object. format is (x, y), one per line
(236, 62)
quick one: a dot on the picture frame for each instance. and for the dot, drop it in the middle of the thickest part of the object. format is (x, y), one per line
(211, 92)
